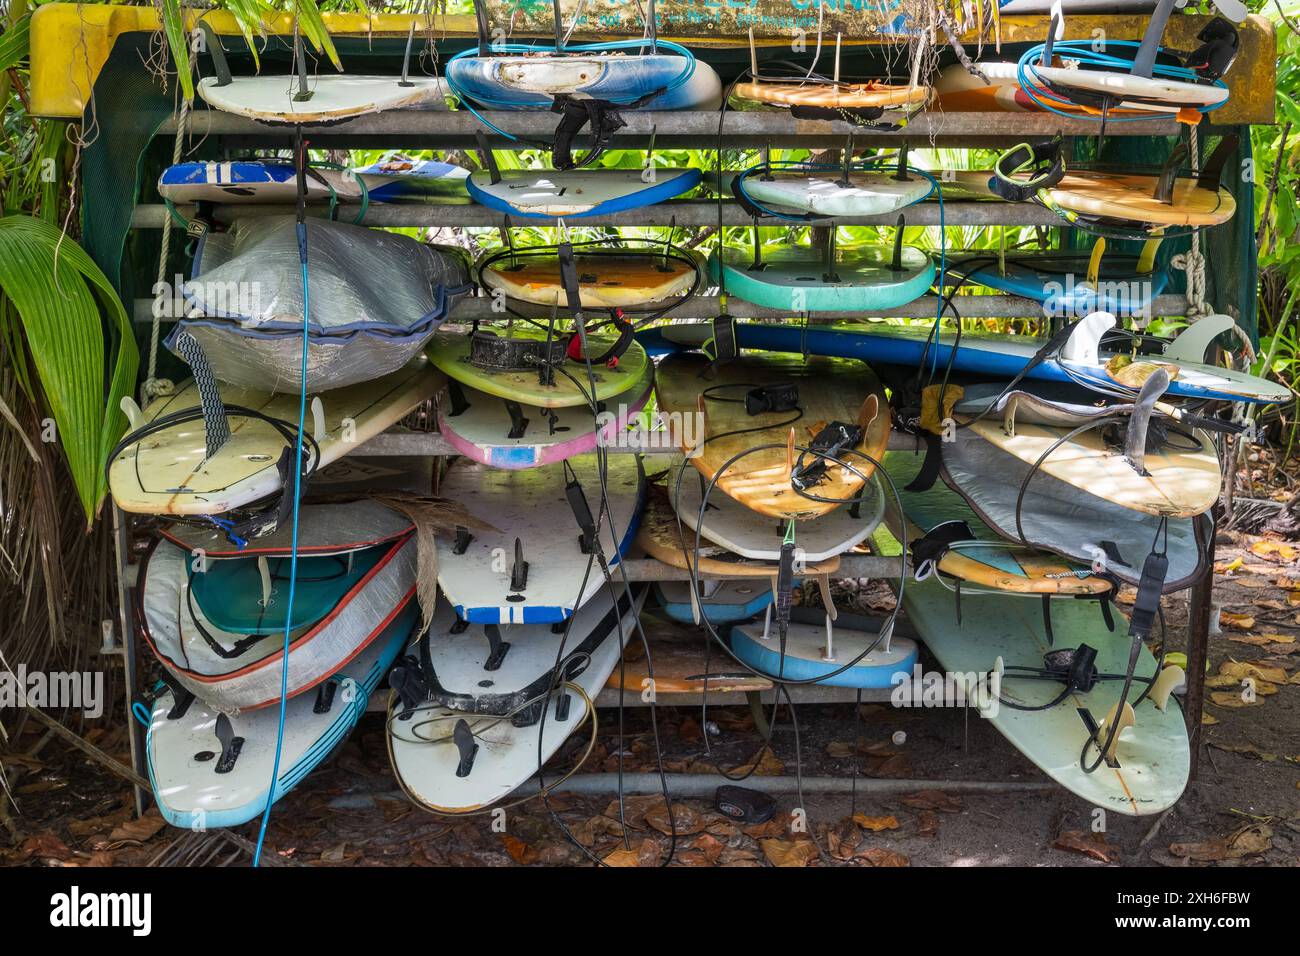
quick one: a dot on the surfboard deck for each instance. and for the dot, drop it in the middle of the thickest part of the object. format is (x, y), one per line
(829, 390)
(751, 534)
(169, 472)
(795, 278)
(1178, 483)
(1152, 756)
(993, 563)
(980, 352)
(482, 431)
(530, 507)
(1135, 88)
(186, 772)
(334, 97)
(546, 194)
(239, 182)
(450, 352)
(869, 193)
(658, 536)
(427, 763)
(604, 281)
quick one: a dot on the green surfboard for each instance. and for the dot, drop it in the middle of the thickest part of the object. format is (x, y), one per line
(796, 278)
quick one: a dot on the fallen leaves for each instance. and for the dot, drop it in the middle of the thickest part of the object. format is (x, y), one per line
(875, 824)
(1250, 840)
(1239, 622)
(788, 852)
(518, 850)
(1089, 844)
(1271, 550)
(933, 800)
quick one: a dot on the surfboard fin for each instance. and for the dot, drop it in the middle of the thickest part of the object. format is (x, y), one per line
(519, 569)
(1094, 261)
(824, 588)
(1135, 438)
(318, 430)
(896, 263)
(497, 648)
(844, 181)
(1147, 257)
(1164, 191)
(1085, 338)
(134, 417)
(1191, 343)
(231, 745)
(406, 58)
(1170, 678)
(463, 738)
(1125, 718)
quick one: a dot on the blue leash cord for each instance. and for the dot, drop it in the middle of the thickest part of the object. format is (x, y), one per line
(1082, 51)
(465, 100)
(297, 493)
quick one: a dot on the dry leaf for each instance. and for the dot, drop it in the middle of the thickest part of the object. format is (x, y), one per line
(875, 824)
(1272, 550)
(685, 819)
(1089, 844)
(927, 823)
(1247, 841)
(768, 764)
(1240, 622)
(519, 851)
(45, 846)
(933, 800)
(139, 830)
(778, 826)
(879, 856)
(788, 852)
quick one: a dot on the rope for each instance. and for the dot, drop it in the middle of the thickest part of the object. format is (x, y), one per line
(1192, 262)
(155, 387)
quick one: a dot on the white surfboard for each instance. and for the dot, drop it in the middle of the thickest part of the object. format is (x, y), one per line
(238, 182)
(1198, 95)
(169, 471)
(482, 576)
(430, 766)
(499, 669)
(869, 193)
(482, 431)
(201, 782)
(752, 535)
(333, 97)
(547, 193)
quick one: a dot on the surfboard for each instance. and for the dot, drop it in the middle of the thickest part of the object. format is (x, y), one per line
(835, 96)
(508, 82)
(828, 391)
(240, 670)
(1151, 758)
(989, 560)
(482, 430)
(1179, 482)
(451, 351)
(659, 537)
(980, 352)
(682, 664)
(1130, 197)
(795, 278)
(504, 670)
(723, 601)
(209, 769)
(1058, 278)
(816, 647)
(529, 570)
(1128, 88)
(869, 193)
(169, 472)
(238, 182)
(573, 193)
(958, 90)
(271, 99)
(1055, 516)
(750, 534)
(432, 769)
(605, 281)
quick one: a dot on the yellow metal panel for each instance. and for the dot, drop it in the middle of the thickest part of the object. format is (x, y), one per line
(71, 42)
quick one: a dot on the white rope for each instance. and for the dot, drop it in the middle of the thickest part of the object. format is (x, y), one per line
(1192, 262)
(153, 386)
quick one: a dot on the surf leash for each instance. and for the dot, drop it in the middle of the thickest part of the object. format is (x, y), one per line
(300, 160)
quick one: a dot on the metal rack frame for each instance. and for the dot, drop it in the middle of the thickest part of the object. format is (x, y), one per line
(419, 129)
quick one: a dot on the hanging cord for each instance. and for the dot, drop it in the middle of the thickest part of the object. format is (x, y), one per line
(1192, 262)
(153, 386)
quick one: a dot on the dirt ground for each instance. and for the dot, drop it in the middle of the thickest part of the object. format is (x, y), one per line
(1243, 811)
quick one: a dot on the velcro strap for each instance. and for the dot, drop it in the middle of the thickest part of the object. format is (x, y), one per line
(772, 398)
(831, 442)
(928, 551)
(611, 355)
(1150, 586)
(929, 473)
(1043, 161)
(487, 350)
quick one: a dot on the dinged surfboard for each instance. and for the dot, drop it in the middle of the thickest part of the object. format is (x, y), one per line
(169, 471)
(835, 96)
(511, 82)
(272, 99)
(547, 194)
(828, 391)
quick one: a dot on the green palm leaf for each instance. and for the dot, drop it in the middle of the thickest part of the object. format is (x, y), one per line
(59, 295)
(14, 44)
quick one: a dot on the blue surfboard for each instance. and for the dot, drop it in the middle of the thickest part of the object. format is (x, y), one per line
(275, 181)
(1058, 279)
